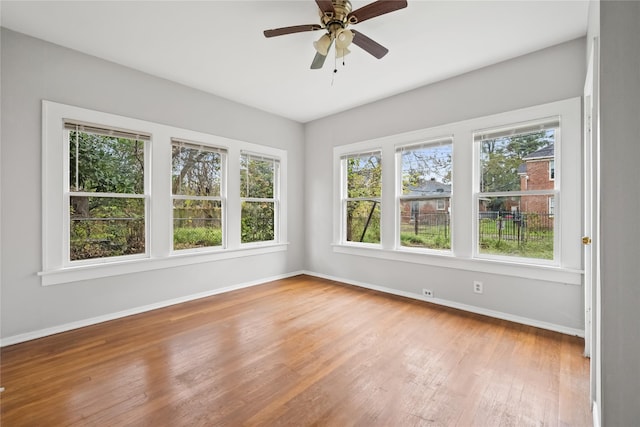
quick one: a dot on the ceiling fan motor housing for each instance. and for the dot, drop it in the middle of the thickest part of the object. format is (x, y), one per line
(338, 19)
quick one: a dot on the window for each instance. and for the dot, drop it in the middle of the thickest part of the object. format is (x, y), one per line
(361, 191)
(259, 186)
(515, 193)
(197, 189)
(122, 196)
(494, 209)
(107, 202)
(425, 178)
(552, 170)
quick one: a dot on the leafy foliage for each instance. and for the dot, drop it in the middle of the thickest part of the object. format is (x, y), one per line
(196, 171)
(258, 222)
(105, 164)
(105, 226)
(364, 180)
(501, 157)
(256, 177)
(257, 181)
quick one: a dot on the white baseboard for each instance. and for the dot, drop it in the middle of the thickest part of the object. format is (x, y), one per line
(459, 306)
(595, 414)
(15, 339)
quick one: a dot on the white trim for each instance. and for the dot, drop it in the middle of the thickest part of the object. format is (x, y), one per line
(446, 303)
(465, 176)
(595, 414)
(178, 258)
(446, 259)
(15, 339)
(158, 212)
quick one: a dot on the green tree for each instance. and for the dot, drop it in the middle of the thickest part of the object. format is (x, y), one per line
(105, 164)
(257, 181)
(364, 178)
(195, 171)
(501, 157)
(105, 226)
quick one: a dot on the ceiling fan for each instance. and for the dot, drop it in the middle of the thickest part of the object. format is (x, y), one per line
(335, 17)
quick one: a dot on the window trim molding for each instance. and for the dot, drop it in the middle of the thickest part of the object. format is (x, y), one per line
(277, 190)
(465, 170)
(67, 193)
(345, 199)
(222, 198)
(160, 254)
(441, 140)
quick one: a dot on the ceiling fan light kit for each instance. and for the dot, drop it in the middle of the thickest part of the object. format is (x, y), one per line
(323, 44)
(335, 17)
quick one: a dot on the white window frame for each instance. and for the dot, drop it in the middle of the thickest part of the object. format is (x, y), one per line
(345, 199)
(66, 222)
(434, 142)
(159, 217)
(567, 269)
(222, 198)
(519, 128)
(275, 199)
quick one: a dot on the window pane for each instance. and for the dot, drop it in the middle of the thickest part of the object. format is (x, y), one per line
(105, 227)
(516, 226)
(256, 177)
(195, 172)
(426, 170)
(105, 164)
(423, 224)
(363, 221)
(517, 163)
(258, 219)
(364, 173)
(197, 223)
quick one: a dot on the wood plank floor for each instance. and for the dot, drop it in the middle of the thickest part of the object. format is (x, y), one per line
(298, 352)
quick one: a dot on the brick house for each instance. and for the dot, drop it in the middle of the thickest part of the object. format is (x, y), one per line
(538, 173)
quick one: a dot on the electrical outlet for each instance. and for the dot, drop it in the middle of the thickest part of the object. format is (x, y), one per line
(427, 293)
(477, 287)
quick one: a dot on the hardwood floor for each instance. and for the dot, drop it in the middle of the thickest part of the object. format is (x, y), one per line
(300, 351)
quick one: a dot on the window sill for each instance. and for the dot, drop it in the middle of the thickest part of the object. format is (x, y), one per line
(95, 271)
(448, 260)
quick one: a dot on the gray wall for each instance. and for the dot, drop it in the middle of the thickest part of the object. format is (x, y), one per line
(33, 70)
(549, 75)
(620, 202)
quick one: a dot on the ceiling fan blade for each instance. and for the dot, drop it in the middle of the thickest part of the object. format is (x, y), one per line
(290, 30)
(373, 47)
(318, 61)
(325, 6)
(374, 9)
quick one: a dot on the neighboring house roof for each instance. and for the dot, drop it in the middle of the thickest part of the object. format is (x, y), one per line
(431, 188)
(543, 153)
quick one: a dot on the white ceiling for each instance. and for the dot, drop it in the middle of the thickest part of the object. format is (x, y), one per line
(218, 46)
